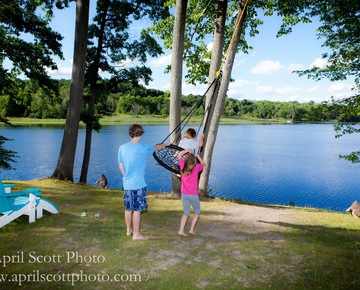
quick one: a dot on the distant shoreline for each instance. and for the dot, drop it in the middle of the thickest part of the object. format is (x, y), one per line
(145, 119)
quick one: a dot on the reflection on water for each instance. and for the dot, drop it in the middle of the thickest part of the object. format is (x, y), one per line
(277, 164)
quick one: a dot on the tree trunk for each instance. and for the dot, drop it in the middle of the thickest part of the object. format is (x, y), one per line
(65, 166)
(88, 137)
(218, 106)
(216, 59)
(218, 47)
(91, 109)
(176, 78)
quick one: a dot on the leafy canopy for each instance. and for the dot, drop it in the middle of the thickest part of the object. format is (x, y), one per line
(27, 41)
(6, 156)
(113, 41)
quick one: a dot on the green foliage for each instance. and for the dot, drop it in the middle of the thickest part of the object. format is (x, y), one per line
(199, 30)
(91, 119)
(6, 156)
(348, 120)
(112, 44)
(27, 41)
(28, 99)
(353, 157)
(340, 30)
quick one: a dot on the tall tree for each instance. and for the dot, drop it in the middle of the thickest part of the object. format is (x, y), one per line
(339, 20)
(201, 22)
(65, 166)
(27, 41)
(211, 98)
(27, 45)
(176, 77)
(111, 45)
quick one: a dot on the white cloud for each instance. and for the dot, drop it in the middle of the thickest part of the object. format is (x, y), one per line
(127, 63)
(268, 67)
(161, 61)
(195, 90)
(319, 62)
(238, 62)
(287, 90)
(337, 87)
(340, 90)
(264, 90)
(292, 98)
(239, 83)
(313, 89)
(232, 92)
(295, 66)
(187, 85)
(61, 71)
(284, 91)
(165, 87)
(236, 88)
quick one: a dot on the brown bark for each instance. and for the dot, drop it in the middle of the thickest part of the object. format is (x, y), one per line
(218, 105)
(176, 78)
(65, 166)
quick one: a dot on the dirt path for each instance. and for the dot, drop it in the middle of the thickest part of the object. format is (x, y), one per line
(234, 222)
(224, 223)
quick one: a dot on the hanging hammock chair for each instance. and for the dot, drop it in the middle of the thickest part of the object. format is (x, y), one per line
(167, 157)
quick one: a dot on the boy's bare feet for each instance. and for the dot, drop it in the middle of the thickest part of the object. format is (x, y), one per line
(129, 233)
(182, 234)
(139, 237)
(192, 233)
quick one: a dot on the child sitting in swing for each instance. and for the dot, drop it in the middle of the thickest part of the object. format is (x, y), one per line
(189, 140)
(189, 170)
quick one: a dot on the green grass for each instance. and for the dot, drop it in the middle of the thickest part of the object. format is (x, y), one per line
(141, 119)
(237, 246)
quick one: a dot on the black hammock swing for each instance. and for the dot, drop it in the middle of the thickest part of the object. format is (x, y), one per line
(167, 157)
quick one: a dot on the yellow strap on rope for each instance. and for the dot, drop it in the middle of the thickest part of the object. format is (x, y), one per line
(232, 38)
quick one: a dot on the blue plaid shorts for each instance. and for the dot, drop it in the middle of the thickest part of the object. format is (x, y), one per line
(135, 199)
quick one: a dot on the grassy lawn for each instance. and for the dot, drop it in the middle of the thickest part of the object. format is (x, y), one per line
(237, 246)
(141, 119)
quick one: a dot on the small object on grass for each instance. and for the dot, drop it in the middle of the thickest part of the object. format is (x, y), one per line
(102, 182)
(354, 209)
(97, 215)
(83, 214)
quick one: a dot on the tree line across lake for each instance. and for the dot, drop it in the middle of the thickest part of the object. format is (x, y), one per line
(27, 99)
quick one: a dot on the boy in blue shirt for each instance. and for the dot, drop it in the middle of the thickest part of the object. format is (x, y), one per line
(132, 163)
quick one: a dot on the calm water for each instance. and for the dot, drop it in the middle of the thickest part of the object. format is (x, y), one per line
(275, 164)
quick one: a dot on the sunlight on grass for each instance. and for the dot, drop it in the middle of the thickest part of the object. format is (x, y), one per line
(124, 119)
(237, 246)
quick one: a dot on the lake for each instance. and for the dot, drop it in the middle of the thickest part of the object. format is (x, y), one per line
(271, 164)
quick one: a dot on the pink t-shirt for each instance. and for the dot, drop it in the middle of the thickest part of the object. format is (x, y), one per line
(189, 183)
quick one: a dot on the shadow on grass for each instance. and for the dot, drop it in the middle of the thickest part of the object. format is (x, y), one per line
(330, 254)
(237, 246)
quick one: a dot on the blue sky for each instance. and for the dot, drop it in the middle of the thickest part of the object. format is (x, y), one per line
(263, 74)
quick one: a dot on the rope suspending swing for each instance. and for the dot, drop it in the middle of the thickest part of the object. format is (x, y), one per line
(167, 157)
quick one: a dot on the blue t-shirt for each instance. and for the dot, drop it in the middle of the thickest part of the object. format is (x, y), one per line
(133, 157)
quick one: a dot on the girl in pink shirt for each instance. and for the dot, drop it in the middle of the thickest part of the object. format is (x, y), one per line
(189, 170)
